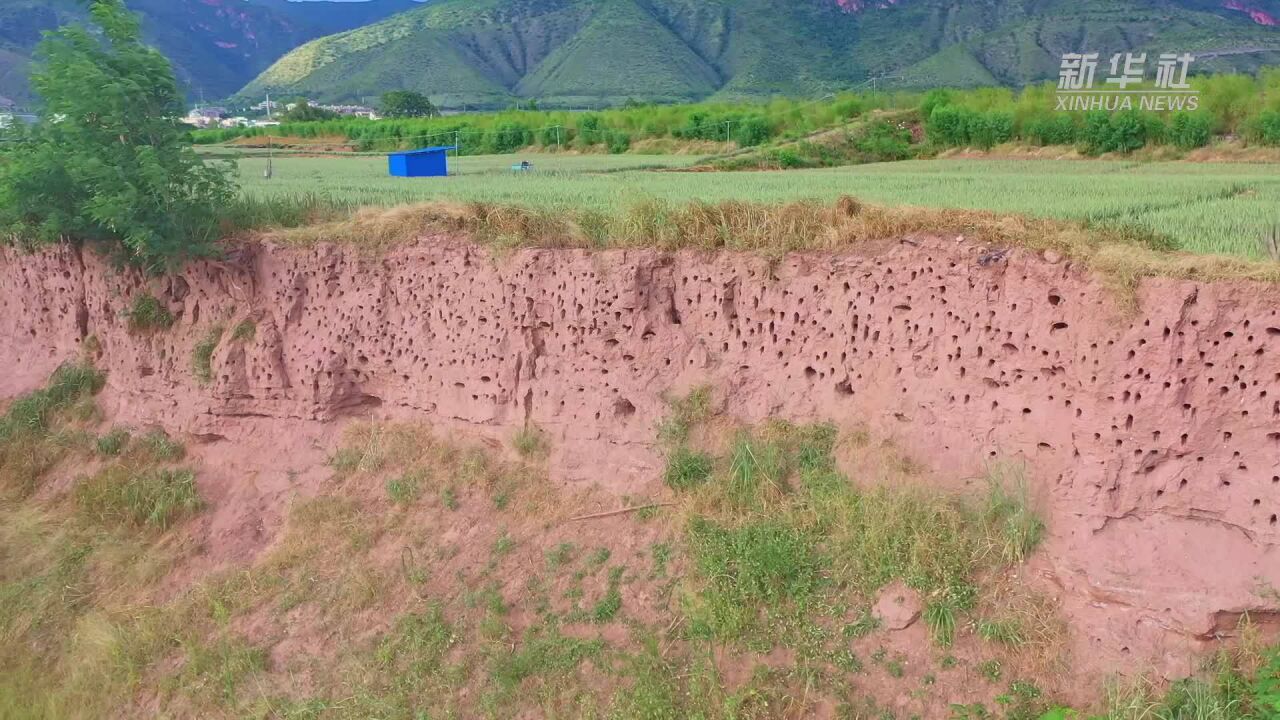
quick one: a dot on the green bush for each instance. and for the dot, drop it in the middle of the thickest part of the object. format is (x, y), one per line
(948, 125)
(508, 137)
(1190, 130)
(589, 129)
(1128, 132)
(753, 131)
(1268, 127)
(883, 142)
(934, 99)
(1055, 129)
(619, 142)
(989, 129)
(109, 161)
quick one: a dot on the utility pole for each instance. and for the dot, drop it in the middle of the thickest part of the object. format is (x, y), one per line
(557, 138)
(268, 106)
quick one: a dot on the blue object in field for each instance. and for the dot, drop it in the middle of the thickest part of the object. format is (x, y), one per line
(424, 162)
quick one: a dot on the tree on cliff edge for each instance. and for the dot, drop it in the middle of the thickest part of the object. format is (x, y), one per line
(108, 161)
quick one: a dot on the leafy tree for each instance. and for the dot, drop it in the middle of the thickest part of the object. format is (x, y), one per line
(304, 111)
(406, 104)
(949, 125)
(109, 161)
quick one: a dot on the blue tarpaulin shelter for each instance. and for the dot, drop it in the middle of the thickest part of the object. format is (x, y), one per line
(424, 162)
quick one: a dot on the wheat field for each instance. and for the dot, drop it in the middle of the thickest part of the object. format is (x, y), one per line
(1220, 208)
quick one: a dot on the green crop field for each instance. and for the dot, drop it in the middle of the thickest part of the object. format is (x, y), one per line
(1205, 207)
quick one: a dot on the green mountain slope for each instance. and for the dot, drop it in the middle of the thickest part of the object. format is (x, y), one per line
(216, 45)
(653, 63)
(1030, 49)
(575, 51)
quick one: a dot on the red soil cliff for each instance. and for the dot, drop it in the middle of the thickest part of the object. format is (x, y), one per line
(1152, 439)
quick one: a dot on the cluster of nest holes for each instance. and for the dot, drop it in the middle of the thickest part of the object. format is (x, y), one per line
(1041, 366)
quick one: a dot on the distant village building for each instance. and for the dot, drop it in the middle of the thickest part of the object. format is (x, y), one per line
(204, 117)
(352, 111)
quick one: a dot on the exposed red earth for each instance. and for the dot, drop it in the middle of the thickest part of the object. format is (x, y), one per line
(1152, 440)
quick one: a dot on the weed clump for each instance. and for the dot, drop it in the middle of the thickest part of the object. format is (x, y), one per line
(202, 355)
(113, 443)
(529, 441)
(157, 446)
(687, 469)
(141, 498)
(148, 314)
(405, 488)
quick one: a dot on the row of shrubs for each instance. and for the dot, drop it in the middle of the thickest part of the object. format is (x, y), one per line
(747, 125)
(1241, 106)
(1097, 131)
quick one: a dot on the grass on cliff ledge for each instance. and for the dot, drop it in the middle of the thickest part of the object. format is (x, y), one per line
(1120, 252)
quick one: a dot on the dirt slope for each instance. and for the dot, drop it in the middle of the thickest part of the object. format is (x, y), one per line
(1151, 439)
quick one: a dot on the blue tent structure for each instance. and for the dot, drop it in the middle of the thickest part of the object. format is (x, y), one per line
(423, 162)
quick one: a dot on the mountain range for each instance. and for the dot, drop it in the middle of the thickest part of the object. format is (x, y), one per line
(581, 52)
(487, 53)
(216, 45)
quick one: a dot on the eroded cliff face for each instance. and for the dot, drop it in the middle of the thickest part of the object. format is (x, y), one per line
(1152, 440)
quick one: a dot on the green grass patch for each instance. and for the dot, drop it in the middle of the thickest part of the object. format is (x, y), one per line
(113, 443)
(545, 654)
(560, 555)
(607, 607)
(147, 314)
(157, 446)
(404, 489)
(686, 412)
(202, 355)
(121, 494)
(686, 468)
(940, 618)
(529, 441)
(218, 669)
